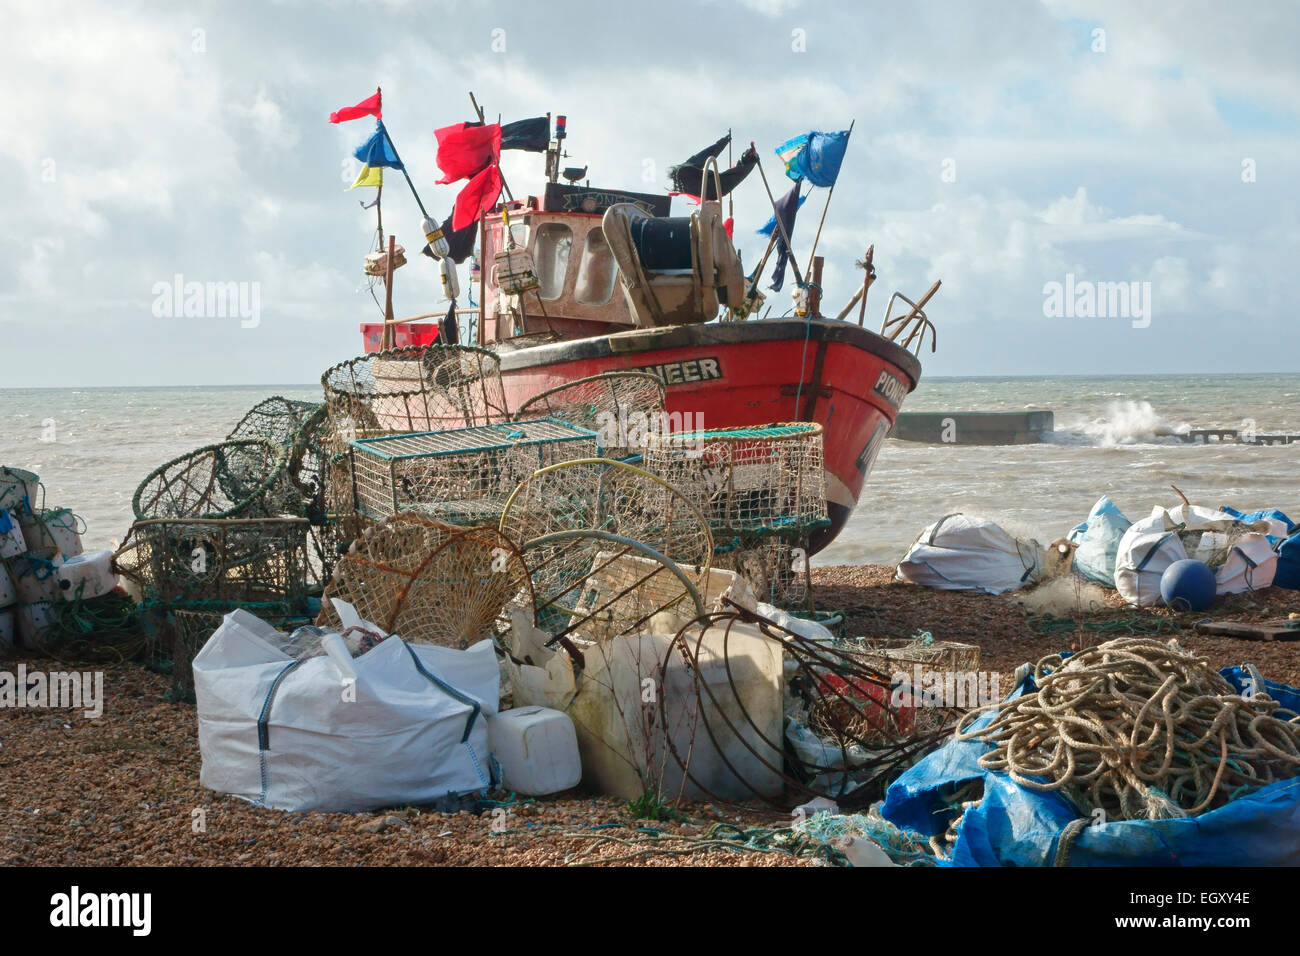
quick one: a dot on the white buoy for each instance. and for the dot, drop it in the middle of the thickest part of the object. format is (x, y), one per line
(86, 576)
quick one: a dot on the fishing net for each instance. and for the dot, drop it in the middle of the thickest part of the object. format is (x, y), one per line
(300, 428)
(776, 567)
(760, 480)
(620, 407)
(428, 582)
(231, 479)
(463, 476)
(415, 389)
(1140, 730)
(849, 758)
(256, 563)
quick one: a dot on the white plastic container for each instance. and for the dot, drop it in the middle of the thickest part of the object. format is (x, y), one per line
(88, 575)
(12, 542)
(53, 530)
(34, 579)
(8, 627)
(8, 593)
(33, 621)
(537, 748)
(621, 731)
(19, 489)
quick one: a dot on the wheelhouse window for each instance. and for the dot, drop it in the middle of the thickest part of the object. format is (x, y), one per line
(596, 272)
(551, 254)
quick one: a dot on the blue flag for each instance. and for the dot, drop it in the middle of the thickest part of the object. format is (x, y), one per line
(814, 156)
(378, 150)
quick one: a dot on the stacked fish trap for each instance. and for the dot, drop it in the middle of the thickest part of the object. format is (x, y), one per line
(302, 429)
(762, 490)
(595, 532)
(620, 407)
(462, 476)
(401, 391)
(432, 583)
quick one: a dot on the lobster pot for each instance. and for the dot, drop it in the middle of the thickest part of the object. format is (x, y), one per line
(300, 428)
(240, 478)
(12, 542)
(259, 563)
(415, 389)
(8, 627)
(19, 490)
(767, 479)
(53, 530)
(620, 407)
(462, 476)
(514, 271)
(776, 567)
(8, 593)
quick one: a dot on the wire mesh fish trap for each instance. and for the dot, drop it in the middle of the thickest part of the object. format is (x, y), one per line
(301, 429)
(766, 479)
(776, 566)
(600, 496)
(256, 563)
(429, 582)
(186, 631)
(463, 476)
(227, 480)
(415, 389)
(620, 407)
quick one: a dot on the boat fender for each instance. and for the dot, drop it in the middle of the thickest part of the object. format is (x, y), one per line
(438, 244)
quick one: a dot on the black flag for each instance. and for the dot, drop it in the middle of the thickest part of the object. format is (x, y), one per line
(533, 135)
(786, 207)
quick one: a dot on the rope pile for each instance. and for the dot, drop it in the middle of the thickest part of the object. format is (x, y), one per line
(1141, 730)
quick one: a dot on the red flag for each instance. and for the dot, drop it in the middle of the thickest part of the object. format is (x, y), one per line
(367, 107)
(464, 150)
(479, 195)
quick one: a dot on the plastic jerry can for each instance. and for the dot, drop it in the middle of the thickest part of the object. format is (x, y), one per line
(53, 530)
(8, 627)
(537, 749)
(34, 577)
(85, 576)
(33, 621)
(8, 593)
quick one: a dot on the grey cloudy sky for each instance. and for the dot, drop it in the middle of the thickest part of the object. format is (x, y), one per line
(133, 148)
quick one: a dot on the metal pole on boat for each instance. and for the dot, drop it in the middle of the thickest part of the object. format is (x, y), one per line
(478, 110)
(817, 237)
(779, 224)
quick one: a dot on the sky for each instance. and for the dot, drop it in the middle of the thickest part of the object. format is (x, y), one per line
(1004, 148)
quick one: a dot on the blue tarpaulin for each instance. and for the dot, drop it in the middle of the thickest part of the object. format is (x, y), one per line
(1015, 826)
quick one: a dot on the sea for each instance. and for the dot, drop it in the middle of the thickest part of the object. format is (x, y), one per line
(1114, 436)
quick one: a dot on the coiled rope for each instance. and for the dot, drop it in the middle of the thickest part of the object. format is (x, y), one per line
(1141, 730)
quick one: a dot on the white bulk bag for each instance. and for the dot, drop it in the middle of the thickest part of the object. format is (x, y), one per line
(1152, 544)
(962, 552)
(1147, 548)
(293, 735)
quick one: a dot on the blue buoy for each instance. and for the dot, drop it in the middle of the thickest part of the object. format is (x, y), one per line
(1188, 585)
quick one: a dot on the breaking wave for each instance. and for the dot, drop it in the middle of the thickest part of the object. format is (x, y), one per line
(1122, 423)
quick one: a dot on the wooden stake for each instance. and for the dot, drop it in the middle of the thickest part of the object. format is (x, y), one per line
(389, 331)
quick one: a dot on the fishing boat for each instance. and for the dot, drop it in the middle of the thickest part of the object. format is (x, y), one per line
(582, 280)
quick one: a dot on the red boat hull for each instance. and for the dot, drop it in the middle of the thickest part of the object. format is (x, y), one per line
(752, 373)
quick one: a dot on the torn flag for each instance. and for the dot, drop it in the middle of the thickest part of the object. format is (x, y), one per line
(378, 150)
